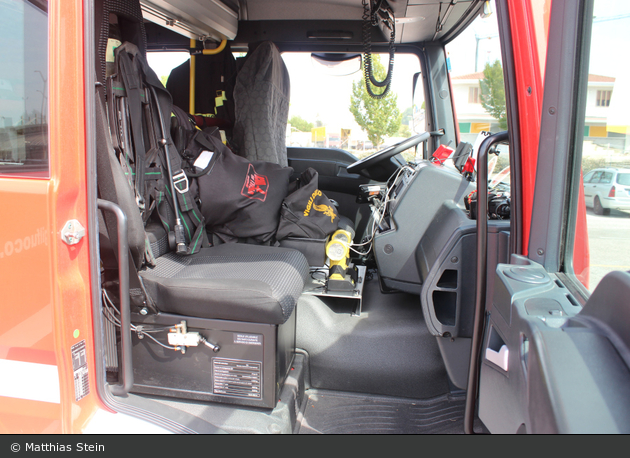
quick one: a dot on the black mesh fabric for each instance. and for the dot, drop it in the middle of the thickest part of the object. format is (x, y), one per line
(238, 282)
(131, 26)
(158, 239)
(261, 100)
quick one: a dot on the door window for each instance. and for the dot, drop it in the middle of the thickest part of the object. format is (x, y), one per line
(24, 88)
(605, 144)
(475, 66)
(606, 177)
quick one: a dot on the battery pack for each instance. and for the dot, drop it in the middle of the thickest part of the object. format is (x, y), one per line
(248, 369)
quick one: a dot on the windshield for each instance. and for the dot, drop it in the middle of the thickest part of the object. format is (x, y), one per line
(321, 113)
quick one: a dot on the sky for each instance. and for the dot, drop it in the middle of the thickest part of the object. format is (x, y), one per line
(475, 46)
(610, 34)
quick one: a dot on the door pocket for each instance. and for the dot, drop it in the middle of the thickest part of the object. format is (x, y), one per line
(496, 351)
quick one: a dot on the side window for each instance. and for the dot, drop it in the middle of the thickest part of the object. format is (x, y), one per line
(476, 71)
(605, 142)
(24, 88)
(475, 65)
(588, 177)
(164, 61)
(606, 177)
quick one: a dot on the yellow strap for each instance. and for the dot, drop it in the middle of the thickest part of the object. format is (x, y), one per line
(191, 96)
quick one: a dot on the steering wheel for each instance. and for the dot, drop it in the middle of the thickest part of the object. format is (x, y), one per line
(388, 152)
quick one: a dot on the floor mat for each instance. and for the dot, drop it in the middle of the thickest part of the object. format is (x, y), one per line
(387, 350)
(330, 412)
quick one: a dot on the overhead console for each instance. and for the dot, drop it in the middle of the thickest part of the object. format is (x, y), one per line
(197, 20)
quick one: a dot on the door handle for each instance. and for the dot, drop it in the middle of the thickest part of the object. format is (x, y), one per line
(500, 358)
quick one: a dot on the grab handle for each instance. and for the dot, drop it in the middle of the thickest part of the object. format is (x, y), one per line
(126, 374)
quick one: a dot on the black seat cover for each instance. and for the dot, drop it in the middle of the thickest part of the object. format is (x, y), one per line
(233, 281)
(261, 100)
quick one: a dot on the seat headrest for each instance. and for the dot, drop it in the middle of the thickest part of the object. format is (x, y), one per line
(127, 14)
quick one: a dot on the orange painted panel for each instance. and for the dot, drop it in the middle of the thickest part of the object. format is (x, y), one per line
(25, 262)
(16, 417)
(45, 291)
(529, 24)
(68, 201)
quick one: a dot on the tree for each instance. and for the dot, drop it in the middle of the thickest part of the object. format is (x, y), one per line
(404, 130)
(300, 124)
(380, 118)
(492, 93)
(407, 115)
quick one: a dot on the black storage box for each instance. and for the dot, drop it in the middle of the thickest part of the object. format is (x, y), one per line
(313, 249)
(249, 369)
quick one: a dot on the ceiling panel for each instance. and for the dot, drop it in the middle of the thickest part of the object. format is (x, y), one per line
(424, 29)
(415, 22)
(260, 10)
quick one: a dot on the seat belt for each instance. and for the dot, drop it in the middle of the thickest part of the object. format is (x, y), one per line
(134, 92)
(107, 190)
(134, 95)
(182, 199)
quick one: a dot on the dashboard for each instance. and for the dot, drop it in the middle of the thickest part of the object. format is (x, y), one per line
(424, 242)
(403, 211)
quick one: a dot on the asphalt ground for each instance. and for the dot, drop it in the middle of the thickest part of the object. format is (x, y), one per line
(609, 242)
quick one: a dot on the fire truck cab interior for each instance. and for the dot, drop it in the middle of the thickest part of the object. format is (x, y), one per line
(251, 338)
(229, 330)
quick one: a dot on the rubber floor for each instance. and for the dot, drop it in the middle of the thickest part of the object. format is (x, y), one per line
(331, 412)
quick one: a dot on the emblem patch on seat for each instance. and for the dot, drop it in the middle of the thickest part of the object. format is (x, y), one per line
(255, 186)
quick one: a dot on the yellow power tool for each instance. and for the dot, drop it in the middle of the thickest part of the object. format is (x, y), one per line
(341, 271)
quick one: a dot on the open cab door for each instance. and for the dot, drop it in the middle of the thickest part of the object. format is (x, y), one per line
(551, 344)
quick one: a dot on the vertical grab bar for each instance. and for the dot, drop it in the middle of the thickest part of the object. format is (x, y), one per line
(126, 375)
(482, 265)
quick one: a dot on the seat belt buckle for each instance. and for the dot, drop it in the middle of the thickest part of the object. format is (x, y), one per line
(140, 202)
(180, 178)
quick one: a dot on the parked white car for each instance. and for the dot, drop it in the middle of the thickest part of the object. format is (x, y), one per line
(606, 189)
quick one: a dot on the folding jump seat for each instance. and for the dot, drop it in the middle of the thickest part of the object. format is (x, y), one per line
(236, 301)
